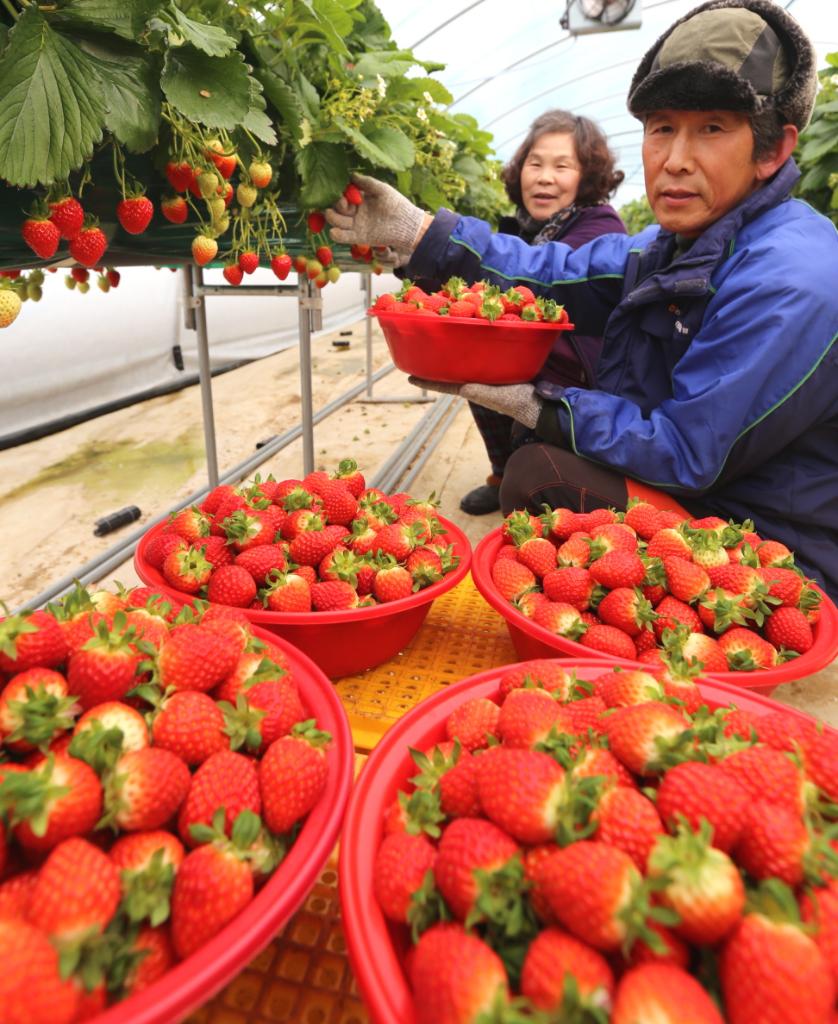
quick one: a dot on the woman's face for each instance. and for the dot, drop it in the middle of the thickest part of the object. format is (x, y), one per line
(550, 175)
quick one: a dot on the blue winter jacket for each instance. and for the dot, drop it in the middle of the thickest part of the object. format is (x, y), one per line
(717, 381)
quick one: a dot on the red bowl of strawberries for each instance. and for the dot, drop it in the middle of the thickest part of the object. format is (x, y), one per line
(548, 603)
(475, 334)
(347, 578)
(139, 745)
(486, 819)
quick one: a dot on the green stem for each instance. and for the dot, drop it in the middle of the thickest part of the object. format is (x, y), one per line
(8, 5)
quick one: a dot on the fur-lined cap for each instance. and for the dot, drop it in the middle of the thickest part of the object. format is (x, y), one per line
(746, 55)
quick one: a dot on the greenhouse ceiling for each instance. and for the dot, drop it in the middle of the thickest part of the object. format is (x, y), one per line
(507, 63)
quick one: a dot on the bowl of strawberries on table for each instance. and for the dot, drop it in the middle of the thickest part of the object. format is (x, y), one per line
(563, 839)
(172, 781)
(470, 333)
(341, 570)
(644, 583)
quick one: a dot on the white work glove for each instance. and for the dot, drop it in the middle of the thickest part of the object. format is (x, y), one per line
(384, 218)
(516, 400)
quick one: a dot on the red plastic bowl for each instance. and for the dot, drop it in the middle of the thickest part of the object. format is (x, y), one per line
(342, 642)
(462, 349)
(533, 641)
(195, 980)
(376, 946)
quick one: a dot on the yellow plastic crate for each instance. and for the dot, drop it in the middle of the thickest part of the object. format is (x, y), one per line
(461, 636)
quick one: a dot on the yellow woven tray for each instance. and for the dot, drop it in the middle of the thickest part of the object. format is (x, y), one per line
(462, 635)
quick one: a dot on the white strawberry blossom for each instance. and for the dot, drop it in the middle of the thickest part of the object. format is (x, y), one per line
(382, 86)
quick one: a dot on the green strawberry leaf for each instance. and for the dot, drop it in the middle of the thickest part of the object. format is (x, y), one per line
(257, 121)
(132, 94)
(53, 109)
(125, 18)
(387, 63)
(211, 39)
(384, 146)
(212, 90)
(330, 19)
(284, 99)
(308, 97)
(324, 169)
(401, 89)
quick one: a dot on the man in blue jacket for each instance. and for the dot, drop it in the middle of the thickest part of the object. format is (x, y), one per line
(717, 381)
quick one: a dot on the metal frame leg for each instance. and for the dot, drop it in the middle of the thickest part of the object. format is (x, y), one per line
(306, 391)
(205, 377)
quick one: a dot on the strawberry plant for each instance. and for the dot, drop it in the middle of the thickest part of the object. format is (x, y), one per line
(817, 150)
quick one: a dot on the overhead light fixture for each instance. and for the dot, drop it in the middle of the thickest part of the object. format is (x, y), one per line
(586, 16)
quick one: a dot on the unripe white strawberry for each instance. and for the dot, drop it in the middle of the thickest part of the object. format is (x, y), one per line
(9, 307)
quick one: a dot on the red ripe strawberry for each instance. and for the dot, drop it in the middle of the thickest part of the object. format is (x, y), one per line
(31, 640)
(665, 994)
(32, 990)
(772, 971)
(774, 553)
(458, 792)
(786, 584)
(175, 209)
(68, 216)
(528, 715)
(609, 640)
(628, 686)
(180, 175)
(560, 523)
(642, 517)
(469, 845)
(213, 884)
(316, 222)
(628, 820)
(668, 543)
(612, 537)
(671, 611)
(292, 776)
(538, 555)
(774, 843)
(339, 504)
(281, 265)
(76, 894)
(569, 584)
(700, 883)
(287, 592)
(473, 722)
(57, 799)
(112, 715)
(204, 249)
(186, 569)
(669, 948)
(627, 609)
(154, 946)
(226, 779)
(233, 585)
(35, 706)
(233, 274)
(392, 583)
(353, 195)
(767, 774)
(819, 910)
(15, 896)
(161, 546)
(641, 734)
(42, 236)
(399, 871)
(196, 657)
(333, 595)
(685, 580)
(789, 628)
(146, 789)
(560, 620)
(105, 668)
(191, 725)
(520, 792)
(618, 569)
(575, 551)
(820, 760)
(462, 980)
(553, 958)
(512, 579)
(695, 792)
(275, 702)
(324, 255)
(349, 474)
(134, 213)
(545, 672)
(88, 247)
(593, 890)
(260, 560)
(746, 651)
(248, 261)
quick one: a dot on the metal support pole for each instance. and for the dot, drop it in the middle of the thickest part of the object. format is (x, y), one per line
(187, 298)
(306, 390)
(205, 377)
(366, 284)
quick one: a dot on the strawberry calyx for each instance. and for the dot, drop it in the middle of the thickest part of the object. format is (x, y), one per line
(28, 796)
(147, 890)
(40, 716)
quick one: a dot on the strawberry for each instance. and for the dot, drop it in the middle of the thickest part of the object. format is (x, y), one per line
(224, 162)
(117, 724)
(145, 789)
(233, 274)
(88, 247)
(10, 306)
(767, 774)
(353, 195)
(156, 955)
(528, 715)
(775, 554)
(819, 910)
(248, 261)
(618, 568)
(771, 971)
(469, 846)
(746, 651)
(287, 592)
(265, 710)
(642, 517)
(669, 543)
(545, 672)
(260, 560)
(576, 550)
(520, 792)
(213, 884)
(642, 734)
(30, 640)
(788, 627)
(225, 780)
(820, 760)
(401, 863)
(180, 175)
(333, 595)
(339, 504)
(628, 820)
(392, 582)
(628, 686)
(315, 221)
(260, 173)
(292, 775)
(15, 896)
(592, 761)
(42, 236)
(458, 792)
(627, 609)
(134, 213)
(784, 730)
(105, 668)
(191, 725)
(324, 255)
(59, 798)
(76, 894)
(68, 216)
(703, 792)
(596, 892)
(186, 569)
(233, 585)
(473, 722)
(609, 640)
(147, 862)
(665, 994)
(570, 584)
(612, 537)
(204, 249)
(281, 265)
(196, 657)
(671, 612)
(560, 620)
(538, 555)
(462, 980)
(35, 706)
(554, 961)
(774, 843)
(162, 545)
(175, 209)
(512, 579)
(32, 990)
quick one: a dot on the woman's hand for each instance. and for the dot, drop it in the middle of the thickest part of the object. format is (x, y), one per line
(384, 218)
(516, 400)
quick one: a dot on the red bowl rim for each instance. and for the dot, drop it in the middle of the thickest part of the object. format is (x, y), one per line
(825, 631)
(422, 318)
(379, 972)
(153, 578)
(193, 981)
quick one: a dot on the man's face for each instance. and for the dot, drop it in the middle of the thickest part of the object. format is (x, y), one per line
(698, 164)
